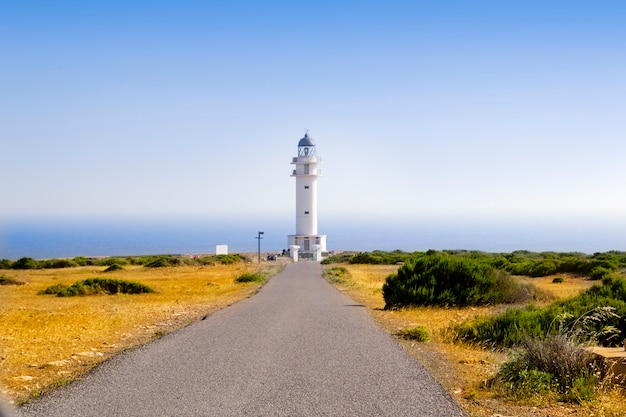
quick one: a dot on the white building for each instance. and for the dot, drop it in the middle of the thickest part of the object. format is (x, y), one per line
(306, 241)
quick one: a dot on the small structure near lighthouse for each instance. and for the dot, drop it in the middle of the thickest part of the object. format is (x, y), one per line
(306, 243)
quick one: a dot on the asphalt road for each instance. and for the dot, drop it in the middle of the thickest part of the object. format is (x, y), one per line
(297, 348)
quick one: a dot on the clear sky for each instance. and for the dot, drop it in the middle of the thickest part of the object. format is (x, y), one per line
(420, 109)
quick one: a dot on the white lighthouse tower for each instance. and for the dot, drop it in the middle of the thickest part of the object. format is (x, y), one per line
(306, 242)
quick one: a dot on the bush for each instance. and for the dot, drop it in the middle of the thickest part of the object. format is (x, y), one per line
(558, 280)
(114, 267)
(54, 289)
(367, 258)
(336, 274)
(555, 363)
(82, 261)
(445, 280)
(219, 259)
(25, 263)
(380, 257)
(6, 264)
(599, 272)
(99, 286)
(548, 263)
(506, 329)
(515, 380)
(230, 259)
(598, 314)
(250, 277)
(163, 261)
(419, 334)
(4, 280)
(543, 268)
(57, 263)
(111, 261)
(340, 258)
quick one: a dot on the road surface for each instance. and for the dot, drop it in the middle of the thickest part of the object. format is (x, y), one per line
(297, 348)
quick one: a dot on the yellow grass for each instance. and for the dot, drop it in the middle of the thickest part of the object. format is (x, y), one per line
(47, 340)
(461, 368)
(572, 285)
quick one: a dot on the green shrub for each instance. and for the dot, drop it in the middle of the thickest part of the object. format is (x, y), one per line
(250, 277)
(111, 261)
(380, 257)
(555, 363)
(25, 263)
(229, 259)
(340, 258)
(336, 274)
(54, 289)
(561, 357)
(133, 260)
(163, 261)
(103, 286)
(4, 280)
(597, 314)
(599, 272)
(506, 329)
(583, 388)
(157, 263)
(367, 258)
(543, 268)
(219, 259)
(558, 280)
(57, 263)
(82, 261)
(515, 380)
(548, 263)
(445, 280)
(6, 264)
(419, 334)
(114, 267)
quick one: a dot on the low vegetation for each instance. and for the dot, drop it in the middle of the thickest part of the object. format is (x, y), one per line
(444, 280)
(53, 289)
(151, 261)
(113, 268)
(511, 327)
(376, 257)
(553, 369)
(4, 280)
(95, 286)
(522, 263)
(475, 307)
(250, 277)
(417, 333)
(337, 274)
(48, 341)
(558, 364)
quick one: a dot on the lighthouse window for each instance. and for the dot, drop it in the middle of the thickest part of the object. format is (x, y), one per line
(306, 187)
(306, 212)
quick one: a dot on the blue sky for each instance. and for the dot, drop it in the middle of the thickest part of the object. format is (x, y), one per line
(442, 110)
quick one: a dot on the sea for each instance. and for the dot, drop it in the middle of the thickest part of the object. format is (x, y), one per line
(66, 239)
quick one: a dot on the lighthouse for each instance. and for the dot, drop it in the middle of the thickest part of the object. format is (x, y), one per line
(306, 243)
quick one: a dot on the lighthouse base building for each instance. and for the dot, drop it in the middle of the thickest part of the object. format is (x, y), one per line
(307, 246)
(306, 242)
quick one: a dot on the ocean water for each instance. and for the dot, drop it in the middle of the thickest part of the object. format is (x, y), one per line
(46, 239)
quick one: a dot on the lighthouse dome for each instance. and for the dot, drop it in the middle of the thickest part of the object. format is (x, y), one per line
(306, 141)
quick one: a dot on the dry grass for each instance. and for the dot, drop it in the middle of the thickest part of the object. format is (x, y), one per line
(572, 284)
(462, 368)
(46, 341)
